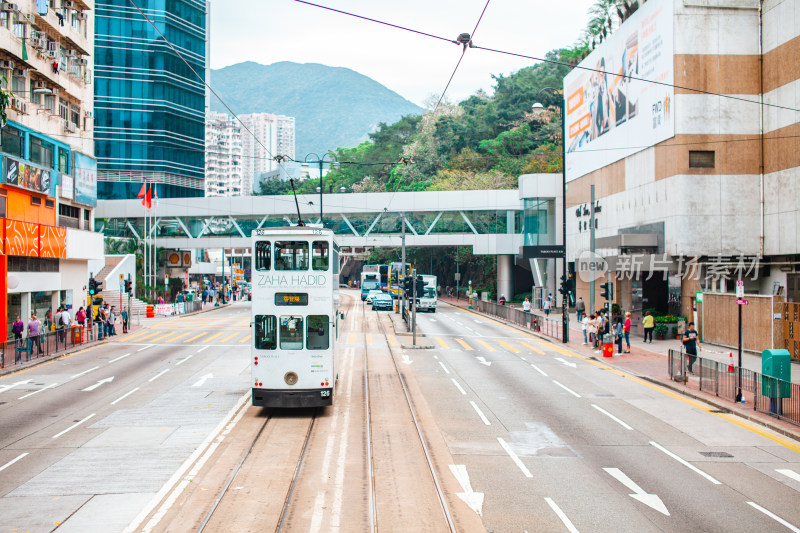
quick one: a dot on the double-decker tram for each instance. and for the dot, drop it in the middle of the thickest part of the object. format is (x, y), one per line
(294, 316)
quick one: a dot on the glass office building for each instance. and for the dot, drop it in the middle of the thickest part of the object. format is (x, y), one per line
(149, 104)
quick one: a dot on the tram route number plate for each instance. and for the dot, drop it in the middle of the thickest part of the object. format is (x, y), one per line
(325, 394)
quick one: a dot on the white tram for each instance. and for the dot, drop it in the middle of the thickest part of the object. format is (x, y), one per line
(295, 285)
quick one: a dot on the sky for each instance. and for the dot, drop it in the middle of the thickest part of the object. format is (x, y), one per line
(415, 66)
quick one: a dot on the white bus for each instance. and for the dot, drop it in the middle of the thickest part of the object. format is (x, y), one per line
(295, 287)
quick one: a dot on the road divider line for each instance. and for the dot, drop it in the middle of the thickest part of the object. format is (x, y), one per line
(612, 417)
(531, 348)
(146, 347)
(791, 474)
(85, 372)
(685, 463)
(184, 360)
(539, 370)
(523, 358)
(508, 346)
(118, 358)
(444, 367)
(514, 457)
(73, 426)
(480, 413)
(124, 396)
(441, 343)
(203, 348)
(52, 385)
(459, 387)
(775, 517)
(556, 509)
(567, 389)
(465, 345)
(12, 461)
(158, 375)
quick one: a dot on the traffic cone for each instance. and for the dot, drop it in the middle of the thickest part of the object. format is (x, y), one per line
(730, 365)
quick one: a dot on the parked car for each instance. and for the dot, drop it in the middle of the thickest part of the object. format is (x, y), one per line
(373, 293)
(382, 301)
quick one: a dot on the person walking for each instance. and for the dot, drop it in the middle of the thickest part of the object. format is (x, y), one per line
(125, 319)
(101, 319)
(580, 307)
(34, 336)
(17, 329)
(690, 344)
(112, 320)
(80, 317)
(618, 334)
(546, 306)
(526, 305)
(66, 324)
(648, 323)
(585, 327)
(626, 328)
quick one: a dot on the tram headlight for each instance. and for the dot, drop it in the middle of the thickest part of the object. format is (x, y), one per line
(290, 378)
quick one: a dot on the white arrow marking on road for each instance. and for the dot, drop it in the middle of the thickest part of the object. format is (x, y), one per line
(38, 391)
(567, 522)
(100, 383)
(573, 365)
(788, 473)
(202, 380)
(651, 500)
(470, 497)
(407, 360)
(483, 361)
(6, 388)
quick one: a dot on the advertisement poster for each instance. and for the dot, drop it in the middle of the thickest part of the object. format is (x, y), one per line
(611, 115)
(67, 186)
(164, 309)
(85, 170)
(27, 176)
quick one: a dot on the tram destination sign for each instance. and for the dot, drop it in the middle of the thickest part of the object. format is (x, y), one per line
(542, 252)
(286, 298)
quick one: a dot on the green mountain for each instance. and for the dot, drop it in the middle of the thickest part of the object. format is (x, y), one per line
(333, 106)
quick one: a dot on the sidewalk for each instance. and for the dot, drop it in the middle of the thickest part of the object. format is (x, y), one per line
(649, 362)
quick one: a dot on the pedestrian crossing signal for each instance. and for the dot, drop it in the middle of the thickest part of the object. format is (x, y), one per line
(95, 286)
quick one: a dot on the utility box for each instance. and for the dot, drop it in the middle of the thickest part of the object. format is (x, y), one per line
(776, 364)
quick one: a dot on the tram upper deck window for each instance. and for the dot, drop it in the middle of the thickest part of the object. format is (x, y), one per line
(291, 255)
(319, 255)
(266, 332)
(291, 333)
(318, 333)
(263, 255)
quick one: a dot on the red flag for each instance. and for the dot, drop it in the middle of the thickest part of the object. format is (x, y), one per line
(141, 192)
(146, 200)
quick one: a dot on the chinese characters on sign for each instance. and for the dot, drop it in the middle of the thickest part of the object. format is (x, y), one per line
(632, 267)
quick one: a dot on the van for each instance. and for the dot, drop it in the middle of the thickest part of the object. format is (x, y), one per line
(369, 286)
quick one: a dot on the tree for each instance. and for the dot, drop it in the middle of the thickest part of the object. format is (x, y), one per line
(274, 186)
(5, 100)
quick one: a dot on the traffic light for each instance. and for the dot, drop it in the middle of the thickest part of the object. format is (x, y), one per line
(95, 286)
(607, 290)
(420, 288)
(128, 286)
(562, 289)
(408, 284)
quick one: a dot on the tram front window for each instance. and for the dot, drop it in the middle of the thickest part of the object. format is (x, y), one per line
(319, 255)
(291, 333)
(291, 255)
(263, 255)
(266, 332)
(318, 335)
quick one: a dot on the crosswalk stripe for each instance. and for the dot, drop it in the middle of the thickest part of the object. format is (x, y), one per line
(351, 339)
(140, 335)
(170, 334)
(392, 340)
(508, 346)
(229, 337)
(180, 336)
(368, 339)
(486, 345)
(442, 343)
(537, 350)
(465, 345)
(147, 336)
(245, 339)
(214, 336)
(190, 339)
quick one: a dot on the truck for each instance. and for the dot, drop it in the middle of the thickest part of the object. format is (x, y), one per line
(427, 300)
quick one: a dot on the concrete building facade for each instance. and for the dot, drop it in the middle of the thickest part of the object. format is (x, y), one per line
(224, 172)
(270, 135)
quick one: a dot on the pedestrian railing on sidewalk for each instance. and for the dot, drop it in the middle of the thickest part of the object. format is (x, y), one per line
(773, 396)
(546, 326)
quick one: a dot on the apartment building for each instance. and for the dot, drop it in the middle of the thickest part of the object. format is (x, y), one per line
(269, 136)
(224, 176)
(48, 189)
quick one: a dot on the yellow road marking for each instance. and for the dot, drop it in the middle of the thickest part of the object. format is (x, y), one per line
(507, 346)
(528, 346)
(442, 343)
(244, 340)
(214, 336)
(226, 339)
(179, 336)
(190, 339)
(368, 338)
(392, 340)
(351, 339)
(464, 345)
(137, 336)
(170, 334)
(149, 335)
(486, 345)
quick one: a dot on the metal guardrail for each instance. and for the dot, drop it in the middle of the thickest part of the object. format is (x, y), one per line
(772, 396)
(20, 351)
(546, 326)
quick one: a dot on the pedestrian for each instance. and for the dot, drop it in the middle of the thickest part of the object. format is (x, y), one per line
(102, 321)
(502, 300)
(690, 344)
(526, 305)
(80, 317)
(34, 335)
(593, 330)
(580, 307)
(648, 323)
(585, 327)
(626, 327)
(66, 323)
(125, 320)
(618, 334)
(546, 306)
(17, 330)
(112, 319)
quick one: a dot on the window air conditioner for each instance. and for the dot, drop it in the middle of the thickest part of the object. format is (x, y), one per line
(54, 91)
(7, 6)
(7, 65)
(39, 85)
(20, 72)
(30, 18)
(82, 61)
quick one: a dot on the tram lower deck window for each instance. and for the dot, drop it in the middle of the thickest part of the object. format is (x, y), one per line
(318, 334)
(291, 332)
(266, 337)
(291, 255)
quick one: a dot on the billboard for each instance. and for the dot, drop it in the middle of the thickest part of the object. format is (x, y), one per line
(609, 115)
(28, 176)
(85, 170)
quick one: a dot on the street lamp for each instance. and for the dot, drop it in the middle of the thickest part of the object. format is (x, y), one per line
(537, 108)
(319, 161)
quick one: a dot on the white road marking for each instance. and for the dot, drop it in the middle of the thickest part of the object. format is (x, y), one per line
(202, 380)
(523, 359)
(612, 417)
(73, 426)
(514, 457)
(184, 360)
(685, 463)
(539, 370)
(788, 473)
(118, 358)
(146, 347)
(444, 367)
(483, 361)
(100, 383)
(556, 509)
(564, 361)
(6, 388)
(651, 500)
(480, 413)
(124, 396)
(11, 462)
(476, 320)
(407, 360)
(567, 389)
(458, 386)
(84, 372)
(203, 348)
(473, 499)
(158, 375)
(52, 385)
(774, 517)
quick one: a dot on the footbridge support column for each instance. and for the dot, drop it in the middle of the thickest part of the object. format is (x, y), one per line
(505, 276)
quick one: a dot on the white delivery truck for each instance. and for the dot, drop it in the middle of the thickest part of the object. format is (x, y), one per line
(427, 300)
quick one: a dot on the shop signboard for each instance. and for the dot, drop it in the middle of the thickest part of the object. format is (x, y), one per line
(28, 176)
(67, 187)
(85, 174)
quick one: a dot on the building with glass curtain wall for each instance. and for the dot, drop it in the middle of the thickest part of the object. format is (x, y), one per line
(149, 105)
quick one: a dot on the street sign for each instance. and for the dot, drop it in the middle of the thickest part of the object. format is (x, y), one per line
(544, 252)
(742, 302)
(698, 297)
(740, 288)
(458, 276)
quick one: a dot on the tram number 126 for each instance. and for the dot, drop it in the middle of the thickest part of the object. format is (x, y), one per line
(325, 394)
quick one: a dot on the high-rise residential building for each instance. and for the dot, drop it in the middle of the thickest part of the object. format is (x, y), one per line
(270, 135)
(49, 189)
(224, 175)
(149, 103)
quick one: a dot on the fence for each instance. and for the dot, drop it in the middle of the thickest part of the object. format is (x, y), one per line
(770, 395)
(20, 351)
(549, 327)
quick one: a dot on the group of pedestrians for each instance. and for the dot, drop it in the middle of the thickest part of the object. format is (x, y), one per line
(106, 320)
(597, 325)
